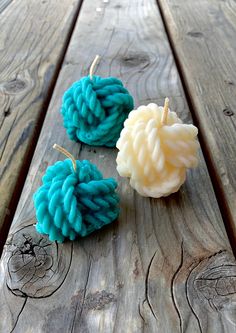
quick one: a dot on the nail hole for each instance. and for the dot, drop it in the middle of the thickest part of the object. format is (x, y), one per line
(228, 112)
(7, 112)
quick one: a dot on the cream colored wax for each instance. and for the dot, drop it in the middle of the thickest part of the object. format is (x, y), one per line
(155, 150)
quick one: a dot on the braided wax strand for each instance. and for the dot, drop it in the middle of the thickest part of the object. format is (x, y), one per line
(74, 199)
(94, 109)
(155, 150)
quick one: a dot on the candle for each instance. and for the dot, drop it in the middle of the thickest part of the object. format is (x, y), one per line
(74, 199)
(155, 150)
(94, 109)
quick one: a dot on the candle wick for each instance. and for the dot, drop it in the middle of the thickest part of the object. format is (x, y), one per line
(165, 112)
(66, 153)
(92, 68)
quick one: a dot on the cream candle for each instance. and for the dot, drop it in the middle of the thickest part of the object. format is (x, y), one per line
(155, 150)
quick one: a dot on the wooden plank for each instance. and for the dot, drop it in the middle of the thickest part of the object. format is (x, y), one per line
(4, 4)
(166, 265)
(34, 36)
(203, 37)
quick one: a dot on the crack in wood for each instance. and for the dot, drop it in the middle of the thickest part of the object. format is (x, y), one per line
(18, 316)
(139, 311)
(188, 300)
(146, 287)
(83, 298)
(172, 286)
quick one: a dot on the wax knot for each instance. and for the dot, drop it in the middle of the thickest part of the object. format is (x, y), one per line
(74, 203)
(155, 154)
(94, 110)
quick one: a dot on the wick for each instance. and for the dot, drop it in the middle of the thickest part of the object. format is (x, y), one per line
(165, 111)
(92, 68)
(66, 153)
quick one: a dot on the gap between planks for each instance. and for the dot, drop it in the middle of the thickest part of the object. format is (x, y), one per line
(13, 202)
(216, 183)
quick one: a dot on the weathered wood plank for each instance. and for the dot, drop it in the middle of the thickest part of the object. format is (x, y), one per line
(203, 35)
(4, 4)
(34, 35)
(166, 265)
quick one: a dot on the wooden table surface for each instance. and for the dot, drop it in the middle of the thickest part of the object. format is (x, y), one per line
(166, 265)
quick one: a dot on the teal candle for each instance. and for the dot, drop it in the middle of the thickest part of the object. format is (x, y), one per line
(94, 109)
(74, 200)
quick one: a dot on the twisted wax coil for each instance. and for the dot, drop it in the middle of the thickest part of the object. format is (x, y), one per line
(74, 199)
(94, 109)
(155, 150)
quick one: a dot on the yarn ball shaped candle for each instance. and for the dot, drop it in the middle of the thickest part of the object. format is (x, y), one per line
(94, 109)
(155, 150)
(74, 200)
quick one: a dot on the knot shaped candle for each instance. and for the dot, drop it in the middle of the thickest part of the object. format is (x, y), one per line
(74, 200)
(155, 149)
(94, 109)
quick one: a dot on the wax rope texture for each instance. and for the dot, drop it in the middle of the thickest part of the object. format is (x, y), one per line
(156, 156)
(74, 203)
(94, 110)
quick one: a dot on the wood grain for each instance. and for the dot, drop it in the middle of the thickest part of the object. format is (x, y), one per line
(34, 35)
(203, 36)
(166, 265)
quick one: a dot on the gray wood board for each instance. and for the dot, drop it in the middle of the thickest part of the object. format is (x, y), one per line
(203, 34)
(166, 264)
(34, 36)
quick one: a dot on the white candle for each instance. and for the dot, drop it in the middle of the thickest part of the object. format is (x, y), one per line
(155, 150)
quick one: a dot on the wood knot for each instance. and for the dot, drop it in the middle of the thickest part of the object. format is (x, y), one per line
(14, 86)
(136, 60)
(213, 282)
(78, 308)
(228, 112)
(98, 300)
(36, 267)
(93, 301)
(195, 34)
